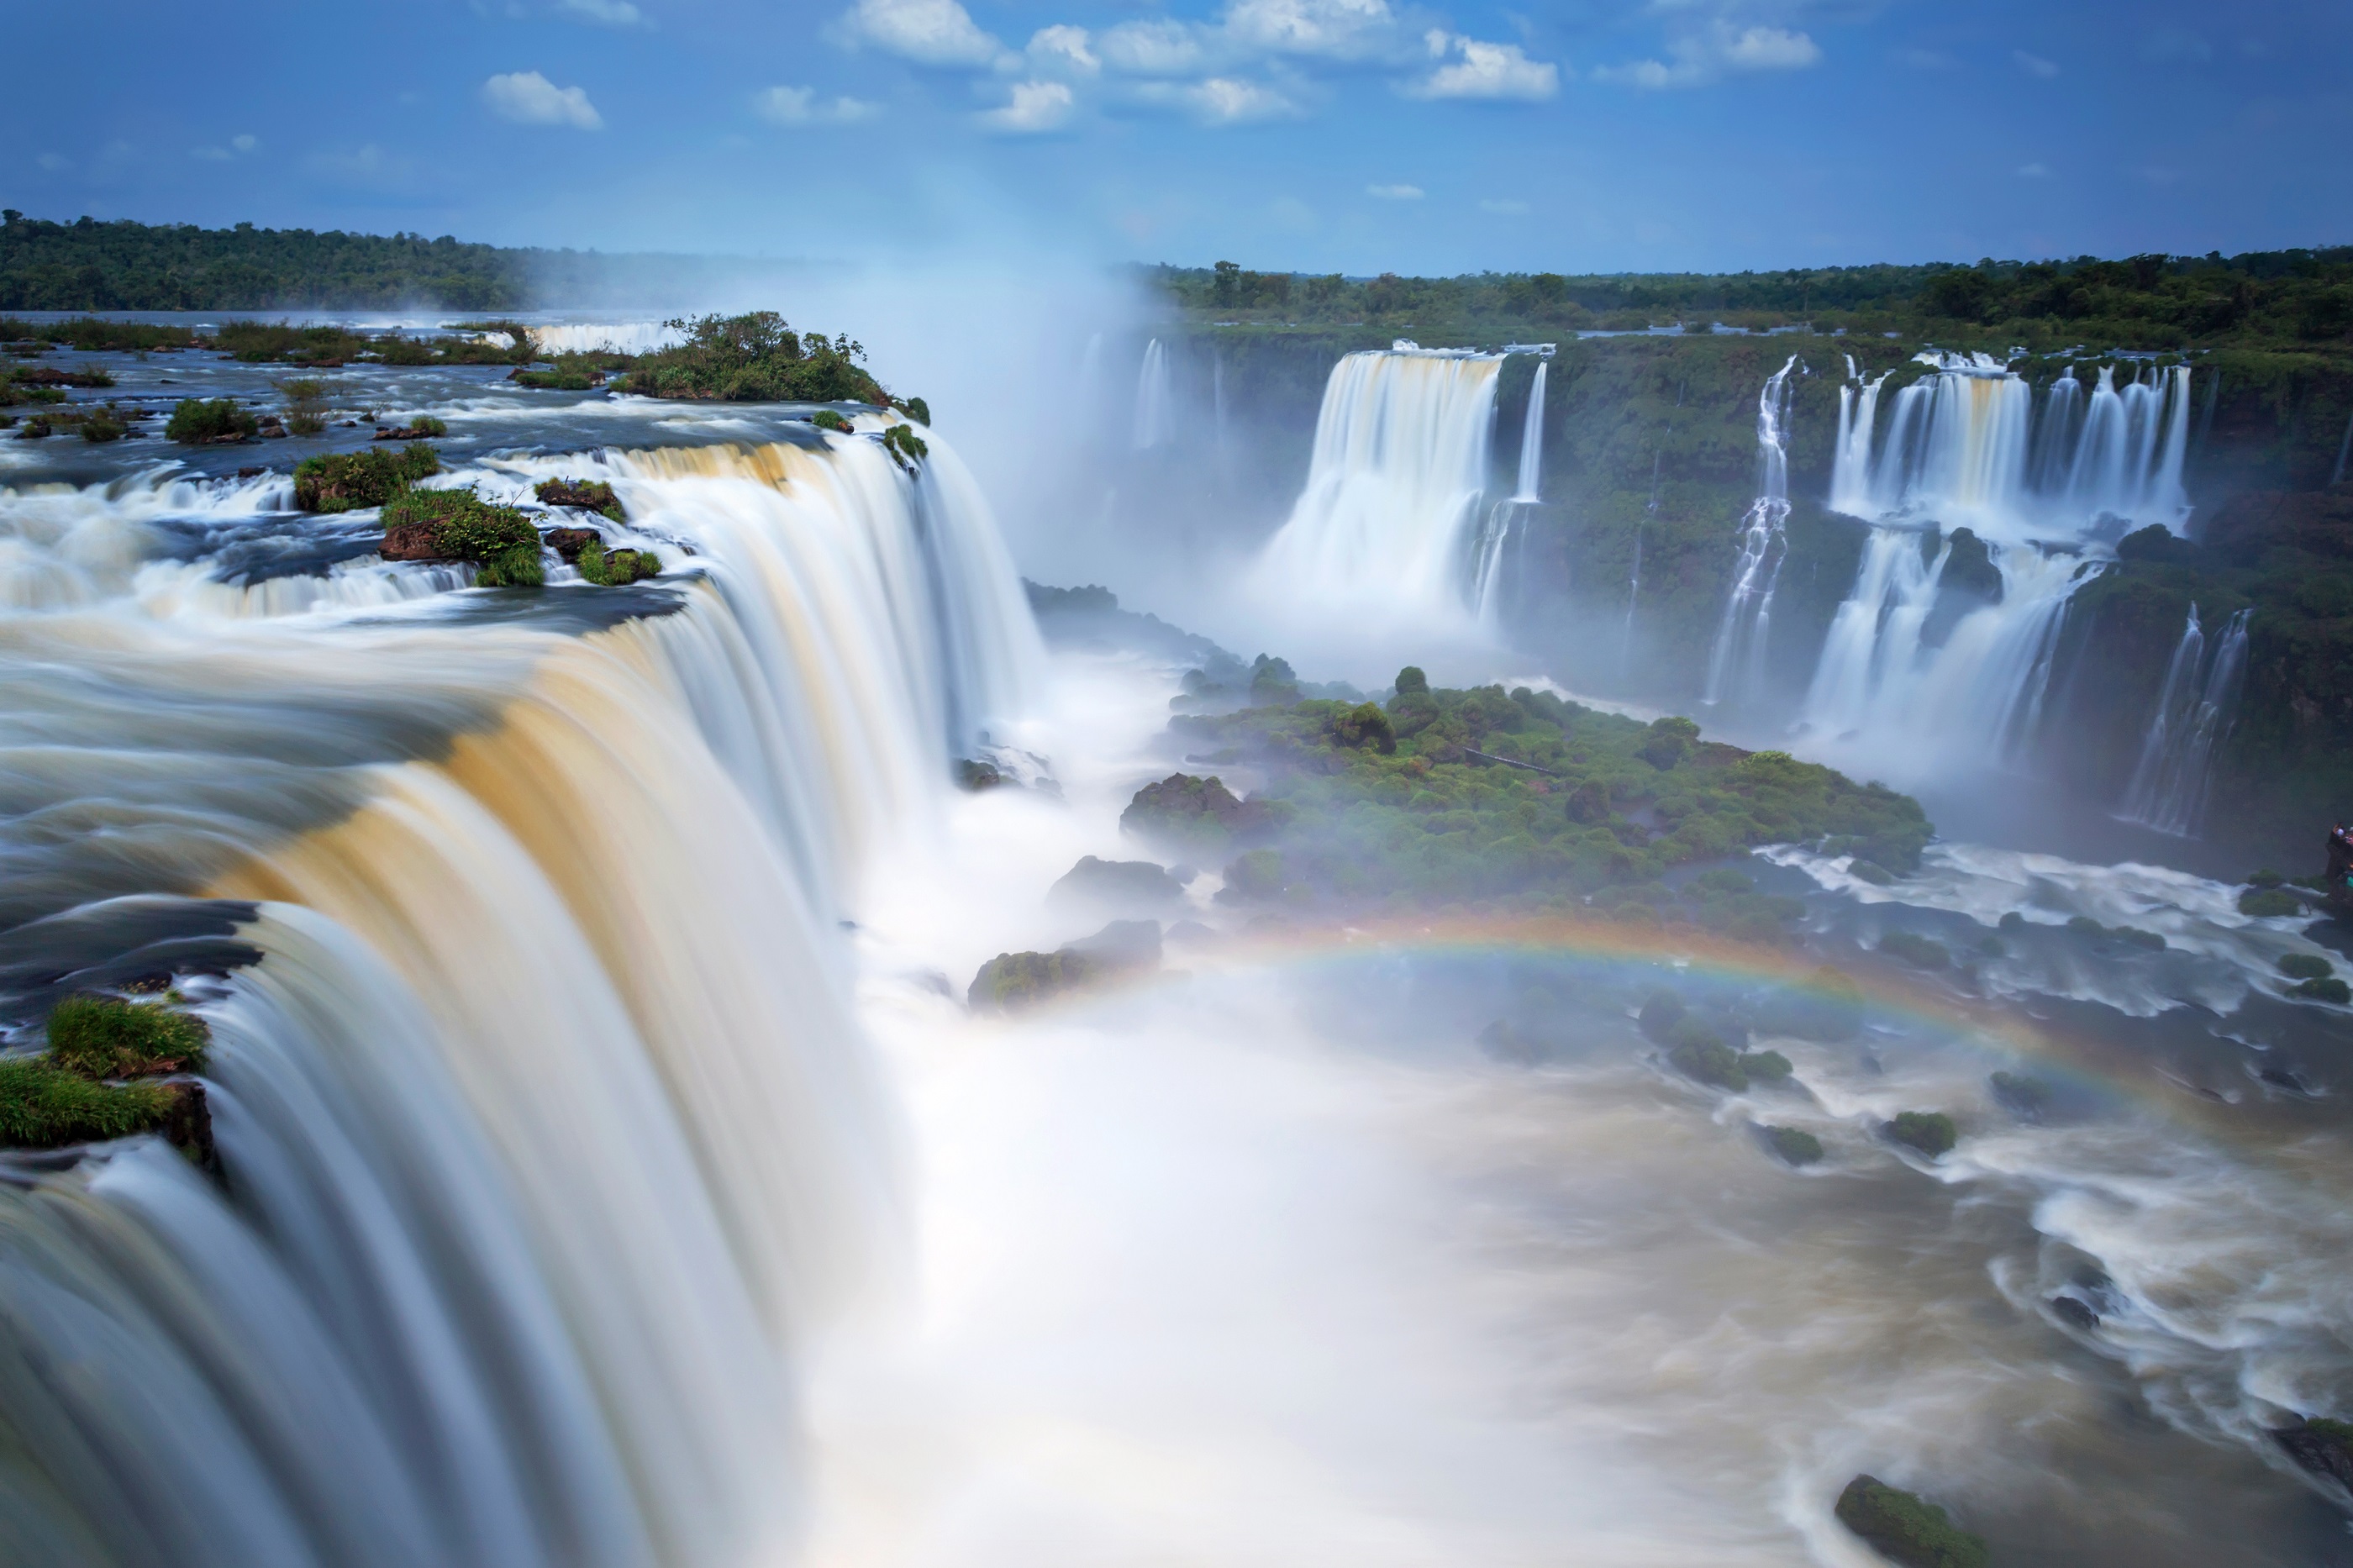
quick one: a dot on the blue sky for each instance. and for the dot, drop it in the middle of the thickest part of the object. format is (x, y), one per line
(1356, 135)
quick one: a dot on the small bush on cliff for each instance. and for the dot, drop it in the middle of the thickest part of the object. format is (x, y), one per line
(197, 423)
(828, 419)
(757, 357)
(350, 482)
(587, 495)
(906, 448)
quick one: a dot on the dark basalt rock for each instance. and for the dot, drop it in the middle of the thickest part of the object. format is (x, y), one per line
(2074, 1313)
(569, 543)
(2323, 1447)
(1117, 884)
(413, 542)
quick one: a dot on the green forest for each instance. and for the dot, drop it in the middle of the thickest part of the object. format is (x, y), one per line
(2140, 302)
(124, 265)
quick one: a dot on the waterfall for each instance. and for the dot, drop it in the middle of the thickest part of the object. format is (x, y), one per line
(1963, 446)
(1740, 640)
(1532, 441)
(1885, 702)
(547, 1129)
(2194, 708)
(2044, 488)
(1155, 412)
(1390, 520)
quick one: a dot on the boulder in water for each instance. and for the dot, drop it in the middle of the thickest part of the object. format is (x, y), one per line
(2321, 1445)
(1012, 981)
(2074, 1312)
(1117, 884)
(1906, 1529)
(1931, 1132)
(568, 543)
(1792, 1145)
(1195, 812)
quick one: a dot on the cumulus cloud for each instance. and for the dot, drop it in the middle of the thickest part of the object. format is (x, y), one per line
(1395, 193)
(798, 106)
(1152, 48)
(1483, 70)
(2034, 64)
(601, 12)
(1706, 53)
(1343, 28)
(1229, 100)
(1064, 48)
(1036, 106)
(928, 31)
(528, 97)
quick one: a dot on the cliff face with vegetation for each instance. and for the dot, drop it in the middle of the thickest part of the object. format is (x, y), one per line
(1651, 447)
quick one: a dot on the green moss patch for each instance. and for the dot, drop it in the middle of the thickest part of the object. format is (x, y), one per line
(71, 1092)
(1929, 1131)
(1906, 1529)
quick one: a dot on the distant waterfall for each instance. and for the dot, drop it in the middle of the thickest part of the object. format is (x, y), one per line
(1966, 447)
(2194, 709)
(1963, 447)
(1532, 441)
(1390, 523)
(1155, 410)
(1749, 611)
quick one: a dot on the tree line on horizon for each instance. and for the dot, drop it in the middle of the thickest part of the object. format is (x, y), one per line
(2151, 301)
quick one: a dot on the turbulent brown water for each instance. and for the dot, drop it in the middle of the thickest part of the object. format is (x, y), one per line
(610, 1172)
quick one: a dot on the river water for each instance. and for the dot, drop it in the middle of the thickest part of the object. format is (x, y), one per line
(610, 1172)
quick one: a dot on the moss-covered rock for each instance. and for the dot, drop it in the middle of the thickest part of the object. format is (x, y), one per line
(2306, 966)
(1931, 1132)
(1793, 1146)
(198, 423)
(92, 1083)
(1906, 1529)
(586, 495)
(348, 482)
(106, 1036)
(1920, 952)
(1012, 981)
(1192, 813)
(2269, 903)
(2321, 1445)
(1117, 884)
(615, 568)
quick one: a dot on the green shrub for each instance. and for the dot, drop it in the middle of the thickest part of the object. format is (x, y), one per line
(1661, 1011)
(196, 422)
(826, 419)
(1411, 678)
(2330, 990)
(2029, 1097)
(465, 528)
(306, 404)
(1796, 1147)
(105, 1037)
(2306, 966)
(1365, 725)
(426, 425)
(43, 1106)
(1929, 1131)
(1771, 1067)
(1920, 952)
(519, 568)
(1904, 1529)
(2269, 903)
(99, 427)
(906, 448)
(1871, 871)
(918, 410)
(615, 568)
(2265, 880)
(350, 482)
(1257, 874)
(757, 357)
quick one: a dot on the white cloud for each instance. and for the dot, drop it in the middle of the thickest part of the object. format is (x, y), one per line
(801, 106)
(1065, 49)
(1705, 54)
(1151, 48)
(243, 144)
(528, 97)
(601, 12)
(1395, 193)
(928, 31)
(2034, 172)
(1037, 106)
(1338, 28)
(1229, 100)
(1484, 71)
(53, 162)
(2034, 64)
(210, 155)
(1505, 209)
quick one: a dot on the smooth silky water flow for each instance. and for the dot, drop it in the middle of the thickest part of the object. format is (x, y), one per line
(610, 1172)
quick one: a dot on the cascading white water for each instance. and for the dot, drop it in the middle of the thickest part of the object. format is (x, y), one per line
(1737, 657)
(1530, 488)
(2193, 714)
(547, 1122)
(1964, 447)
(1387, 525)
(1155, 406)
